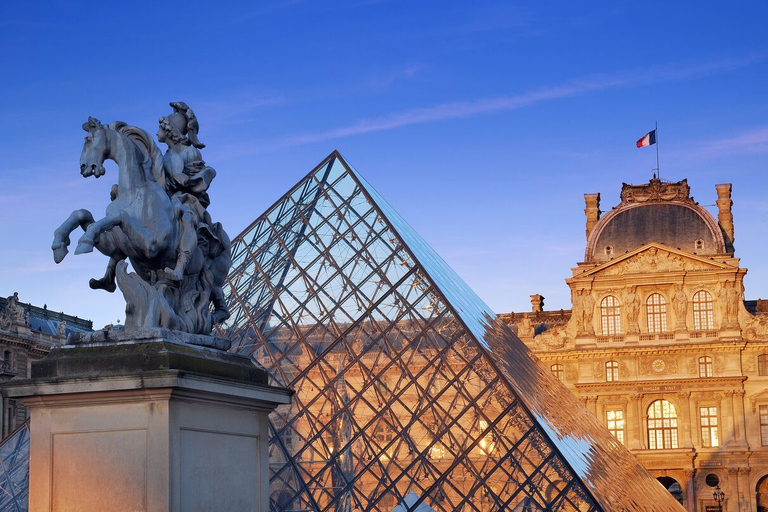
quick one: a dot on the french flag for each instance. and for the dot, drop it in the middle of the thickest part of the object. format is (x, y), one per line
(648, 139)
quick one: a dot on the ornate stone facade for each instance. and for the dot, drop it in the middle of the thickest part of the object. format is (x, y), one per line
(661, 346)
(27, 333)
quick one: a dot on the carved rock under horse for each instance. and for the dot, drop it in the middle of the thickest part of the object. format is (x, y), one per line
(143, 224)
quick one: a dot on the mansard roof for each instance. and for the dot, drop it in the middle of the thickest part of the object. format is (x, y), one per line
(655, 212)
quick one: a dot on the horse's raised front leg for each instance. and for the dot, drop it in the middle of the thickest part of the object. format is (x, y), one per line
(92, 232)
(82, 218)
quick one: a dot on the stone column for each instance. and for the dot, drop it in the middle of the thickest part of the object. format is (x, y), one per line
(687, 420)
(592, 405)
(734, 500)
(745, 496)
(690, 489)
(729, 435)
(635, 420)
(156, 426)
(739, 427)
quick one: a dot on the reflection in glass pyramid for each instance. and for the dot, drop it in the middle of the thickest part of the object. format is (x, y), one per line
(14, 470)
(410, 394)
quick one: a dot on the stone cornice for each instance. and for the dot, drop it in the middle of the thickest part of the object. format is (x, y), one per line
(639, 350)
(692, 384)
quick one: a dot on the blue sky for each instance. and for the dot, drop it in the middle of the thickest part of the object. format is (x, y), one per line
(482, 123)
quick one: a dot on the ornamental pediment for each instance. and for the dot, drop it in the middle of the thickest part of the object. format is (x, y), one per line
(655, 257)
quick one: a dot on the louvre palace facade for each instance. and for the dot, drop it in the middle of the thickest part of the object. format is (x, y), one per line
(662, 347)
(27, 333)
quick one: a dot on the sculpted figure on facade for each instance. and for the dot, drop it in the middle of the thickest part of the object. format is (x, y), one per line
(61, 329)
(157, 220)
(729, 300)
(680, 302)
(14, 313)
(584, 309)
(632, 303)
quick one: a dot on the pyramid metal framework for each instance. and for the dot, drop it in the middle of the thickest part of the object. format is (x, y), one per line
(14, 470)
(410, 395)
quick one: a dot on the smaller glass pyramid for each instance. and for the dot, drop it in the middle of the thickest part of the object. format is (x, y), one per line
(410, 394)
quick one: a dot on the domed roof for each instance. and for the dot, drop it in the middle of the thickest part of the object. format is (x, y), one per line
(656, 212)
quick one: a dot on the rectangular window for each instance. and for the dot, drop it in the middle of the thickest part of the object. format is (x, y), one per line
(764, 425)
(615, 423)
(709, 427)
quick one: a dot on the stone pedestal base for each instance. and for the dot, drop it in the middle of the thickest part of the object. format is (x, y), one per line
(153, 426)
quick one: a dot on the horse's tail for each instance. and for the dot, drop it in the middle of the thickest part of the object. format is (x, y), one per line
(153, 157)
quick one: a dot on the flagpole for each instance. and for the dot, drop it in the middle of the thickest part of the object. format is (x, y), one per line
(657, 150)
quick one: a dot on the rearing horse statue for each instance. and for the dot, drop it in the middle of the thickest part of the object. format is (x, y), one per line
(142, 224)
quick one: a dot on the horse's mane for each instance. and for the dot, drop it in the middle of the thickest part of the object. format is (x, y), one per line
(153, 157)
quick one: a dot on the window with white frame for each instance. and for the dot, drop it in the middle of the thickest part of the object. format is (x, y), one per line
(611, 371)
(703, 311)
(709, 427)
(662, 425)
(614, 420)
(705, 366)
(656, 313)
(764, 425)
(610, 316)
(762, 364)
(558, 371)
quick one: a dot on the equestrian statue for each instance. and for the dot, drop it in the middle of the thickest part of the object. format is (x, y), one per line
(158, 221)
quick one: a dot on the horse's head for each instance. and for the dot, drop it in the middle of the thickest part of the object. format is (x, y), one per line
(95, 149)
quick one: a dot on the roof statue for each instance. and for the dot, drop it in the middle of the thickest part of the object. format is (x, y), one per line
(410, 393)
(158, 221)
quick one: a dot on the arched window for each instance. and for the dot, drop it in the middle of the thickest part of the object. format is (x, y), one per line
(762, 364)
(656, 311)
(662, 425)
(703, 307)
(705, 366)
(610, 316)
(611, 371)
(558, 371)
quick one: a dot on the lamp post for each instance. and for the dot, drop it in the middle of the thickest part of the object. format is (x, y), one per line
(719, 497)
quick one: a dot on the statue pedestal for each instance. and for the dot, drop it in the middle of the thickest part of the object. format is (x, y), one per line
(153, 426)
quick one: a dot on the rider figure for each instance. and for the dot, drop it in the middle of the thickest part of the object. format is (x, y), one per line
(187, 180)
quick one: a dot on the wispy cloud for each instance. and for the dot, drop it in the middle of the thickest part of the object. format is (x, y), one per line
(752, 141)
(571, 88)
(386, 80)
(234, 108)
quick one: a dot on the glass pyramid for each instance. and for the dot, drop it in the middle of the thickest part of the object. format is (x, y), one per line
(409, 394)
(14, 470)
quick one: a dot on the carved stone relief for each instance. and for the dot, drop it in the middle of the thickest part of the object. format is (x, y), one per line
(623, 369)
(756, 328)
(552, 339)
(656, 190)
(598, 370)
(657, 365)
(571, 373)
(652, 260)
(692, 366)
(719, 365)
